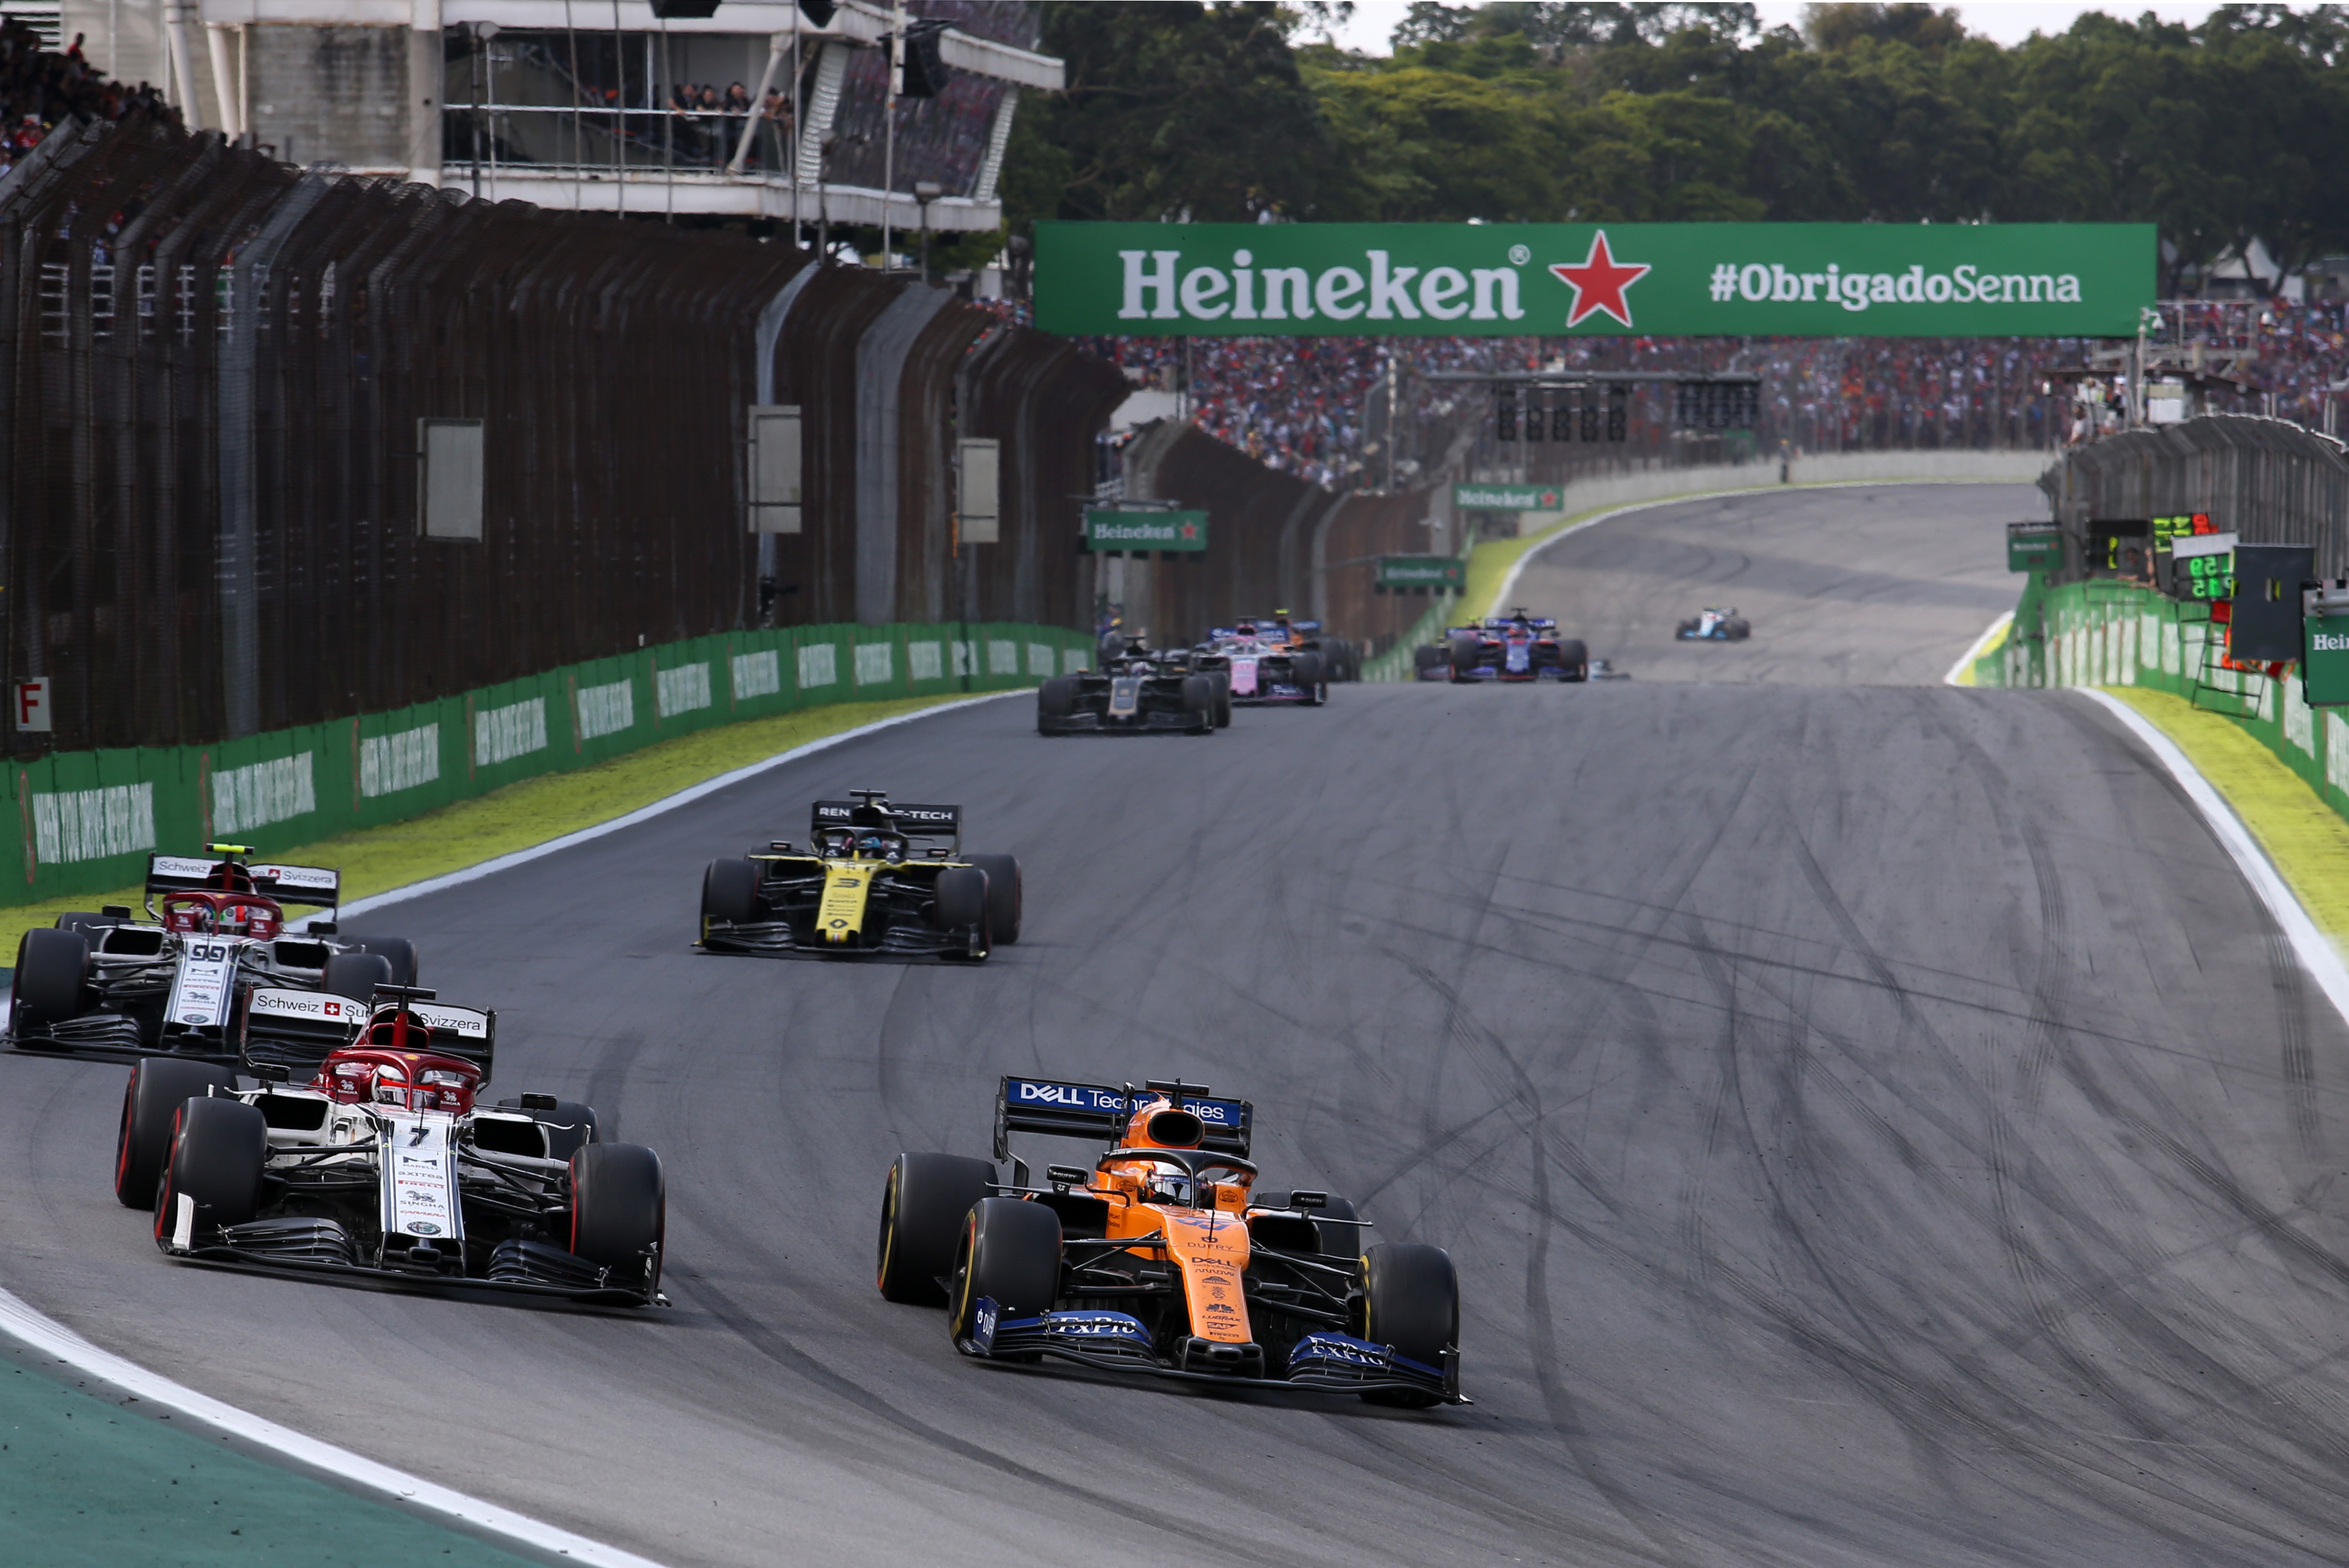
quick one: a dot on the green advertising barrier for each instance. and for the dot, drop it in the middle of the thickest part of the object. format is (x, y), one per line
(2118, 634)
(1794, 280)
(1448, 573)
(88, 819)
(1505, 497)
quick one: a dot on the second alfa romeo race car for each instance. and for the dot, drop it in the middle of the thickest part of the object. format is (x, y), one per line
(179, 981)
(1159, 1259)
(1513, 648)
(364, 1153)
(1134, 691)
(1714, 626)
(862, 888)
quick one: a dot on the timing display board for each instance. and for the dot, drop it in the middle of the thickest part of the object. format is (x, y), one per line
(2202, 567)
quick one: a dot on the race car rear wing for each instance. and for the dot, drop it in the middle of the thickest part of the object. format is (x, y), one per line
(1099, 1112)
(288, 1034)
(311, 885)
(913, 821)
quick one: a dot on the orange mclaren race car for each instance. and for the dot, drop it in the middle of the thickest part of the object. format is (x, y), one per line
(1160, 1259)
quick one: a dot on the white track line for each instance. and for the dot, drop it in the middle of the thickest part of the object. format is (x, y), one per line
(45, 1335)
(21, 1321)
(1970, 654)
(1509, 581)
(645, 814)
(2316, 952)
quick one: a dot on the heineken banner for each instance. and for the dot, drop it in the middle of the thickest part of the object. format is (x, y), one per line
(1112, 530)
(1446, 572)
(1819, 280)
(1507, 497)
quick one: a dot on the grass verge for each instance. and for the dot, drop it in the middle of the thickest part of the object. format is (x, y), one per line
(378, 859)
(2306, 839)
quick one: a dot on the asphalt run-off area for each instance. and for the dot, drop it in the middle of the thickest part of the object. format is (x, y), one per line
(1874, 1121)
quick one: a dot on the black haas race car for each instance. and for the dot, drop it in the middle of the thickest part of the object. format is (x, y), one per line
(861, 888)
(1159, 1259)
(1135, 691)
(366, 1152)
(1517, 647)
(178, 981)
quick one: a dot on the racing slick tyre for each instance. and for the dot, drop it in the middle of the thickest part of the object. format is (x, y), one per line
(1461, 652)
(1009, 1252)
(398, 952)
(1003, 896)
(922, 1213)
(1221, 682)
(729, 892)
(159, 1086)
(1311, 672)
(1055, 701)
(218, 1147)
(52, 969)
(1343, 1243)
(570, 1125)
(356, 975)
(960, 903)
(1424, 659)
(1737, 629)
(1573, 658)
(1199, 702)
(619, 1208)
(1685, 630)
(1410, 1303)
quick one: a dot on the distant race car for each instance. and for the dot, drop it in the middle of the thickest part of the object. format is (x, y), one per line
(1259, 672)
(861, 888)
(178, 981)
(1134, 691)
(1714, 626)
(1516, 647)
(1281, 631)
(364, 1153)
(1159, 1259)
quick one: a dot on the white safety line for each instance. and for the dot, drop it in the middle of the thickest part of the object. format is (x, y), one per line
(45, 1335)
(1965, 660)
(2316, 952)
(646, 813)
(1509, 580)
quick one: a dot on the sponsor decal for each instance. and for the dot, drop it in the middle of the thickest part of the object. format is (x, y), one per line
(422, 1228)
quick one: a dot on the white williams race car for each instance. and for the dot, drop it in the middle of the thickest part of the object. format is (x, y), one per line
(363, 1152)
(178, 981)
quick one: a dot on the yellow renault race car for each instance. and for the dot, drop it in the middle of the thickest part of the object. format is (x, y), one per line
(862, 886)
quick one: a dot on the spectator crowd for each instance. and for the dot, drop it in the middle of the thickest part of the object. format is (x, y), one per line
(1315, 406)
(41, 89)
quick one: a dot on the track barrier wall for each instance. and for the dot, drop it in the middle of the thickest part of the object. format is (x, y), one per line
(88, 820)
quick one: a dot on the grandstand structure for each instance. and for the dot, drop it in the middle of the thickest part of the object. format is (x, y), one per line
(753, 109)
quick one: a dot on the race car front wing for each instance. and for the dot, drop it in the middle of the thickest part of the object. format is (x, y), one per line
(1117, 1341)
(322, 1247)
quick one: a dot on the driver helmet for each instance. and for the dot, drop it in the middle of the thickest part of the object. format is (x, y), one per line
(1169, 1187)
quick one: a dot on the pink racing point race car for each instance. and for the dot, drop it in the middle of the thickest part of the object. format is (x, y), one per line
(1263, 673)
(1515, 648)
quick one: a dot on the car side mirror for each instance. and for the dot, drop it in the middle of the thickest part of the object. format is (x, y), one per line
(1309, 1201)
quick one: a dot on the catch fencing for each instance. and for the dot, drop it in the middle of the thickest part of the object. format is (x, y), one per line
(2268, 480)
(88, 819)
(211, 371)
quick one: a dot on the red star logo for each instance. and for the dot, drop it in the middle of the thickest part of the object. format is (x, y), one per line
(1549, 498)
(1190, 530)
(1599, 283)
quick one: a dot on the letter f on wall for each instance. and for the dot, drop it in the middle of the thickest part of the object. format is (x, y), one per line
(1159, 279)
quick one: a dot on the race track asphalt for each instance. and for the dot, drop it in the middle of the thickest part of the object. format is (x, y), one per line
(1873, 1125)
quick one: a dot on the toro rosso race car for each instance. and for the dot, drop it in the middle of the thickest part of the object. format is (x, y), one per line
(862, 888)
(1259, 671)
(178, 981)
(1714, 626)
(1159, 1258)
(1134, 691)
(381, 1164)
(1519, 647)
